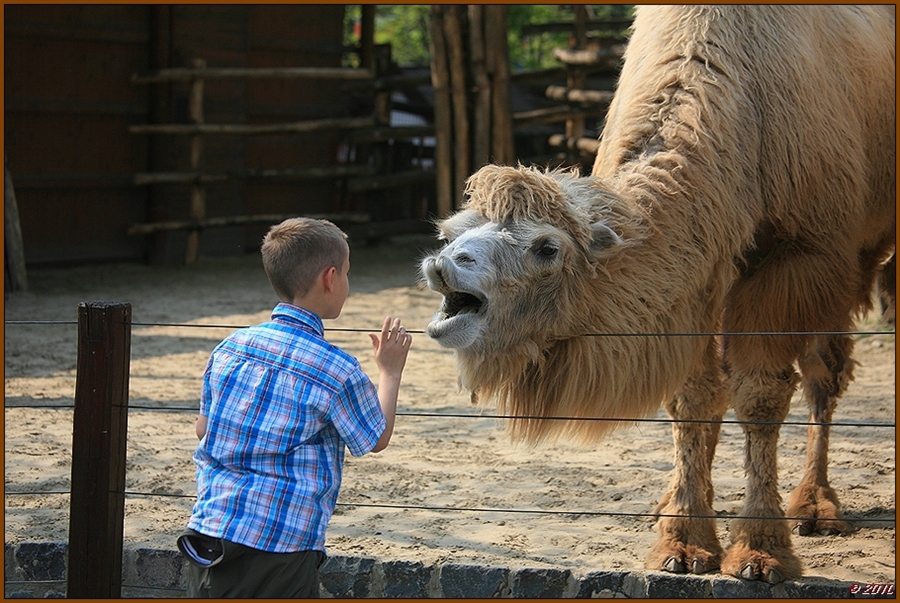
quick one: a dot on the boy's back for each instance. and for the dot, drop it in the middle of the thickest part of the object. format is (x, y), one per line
(280, 401)
(279, 405)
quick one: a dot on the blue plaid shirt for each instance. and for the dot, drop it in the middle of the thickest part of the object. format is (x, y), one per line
(282, 403)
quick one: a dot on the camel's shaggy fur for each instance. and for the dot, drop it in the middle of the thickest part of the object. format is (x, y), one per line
(745, 182)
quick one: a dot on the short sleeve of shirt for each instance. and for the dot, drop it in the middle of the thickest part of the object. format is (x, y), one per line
(205, 392)
(357, 414)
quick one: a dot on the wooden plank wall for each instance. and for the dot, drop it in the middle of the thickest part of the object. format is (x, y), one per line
(69, 101)
(68, 105)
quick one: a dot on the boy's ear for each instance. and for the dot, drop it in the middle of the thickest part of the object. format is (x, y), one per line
(328, 278)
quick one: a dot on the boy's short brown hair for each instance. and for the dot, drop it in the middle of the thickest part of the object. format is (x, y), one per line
(297, 250)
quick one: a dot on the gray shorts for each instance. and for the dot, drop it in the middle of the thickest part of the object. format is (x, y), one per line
(219, 568)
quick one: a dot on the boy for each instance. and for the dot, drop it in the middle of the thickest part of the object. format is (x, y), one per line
(278, 406)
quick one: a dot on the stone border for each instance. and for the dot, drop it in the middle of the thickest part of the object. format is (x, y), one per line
(38, 570)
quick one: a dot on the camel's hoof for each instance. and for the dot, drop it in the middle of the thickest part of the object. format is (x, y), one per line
(829, 532)
(674, 565)
(698, 567)
(802, 529)
(748, 573)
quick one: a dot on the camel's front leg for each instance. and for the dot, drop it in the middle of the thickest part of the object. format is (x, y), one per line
(687, 527)
(761, 548)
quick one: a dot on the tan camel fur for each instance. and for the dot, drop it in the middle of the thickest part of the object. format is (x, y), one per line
(744, 183)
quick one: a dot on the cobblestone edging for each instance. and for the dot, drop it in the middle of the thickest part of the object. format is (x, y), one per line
(38, 570)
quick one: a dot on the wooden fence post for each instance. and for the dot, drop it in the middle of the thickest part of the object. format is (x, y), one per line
(198, 192)
(443, 113)
(97, 507)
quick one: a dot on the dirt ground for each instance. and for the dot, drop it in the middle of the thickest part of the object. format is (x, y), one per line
(450, 488)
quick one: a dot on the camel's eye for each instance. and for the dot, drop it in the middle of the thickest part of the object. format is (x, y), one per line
(546, 250)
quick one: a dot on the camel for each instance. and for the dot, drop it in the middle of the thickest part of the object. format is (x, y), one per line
(744, 184)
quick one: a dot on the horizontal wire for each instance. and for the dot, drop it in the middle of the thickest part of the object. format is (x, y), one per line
(34, 492)
(599, 513)
(527, 417)
(40, 322)
(46, 406)
(523, 511)
(524, 417)
(422, 332)
(646, 420)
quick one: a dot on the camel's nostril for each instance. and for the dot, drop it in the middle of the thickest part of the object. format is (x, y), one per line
(462, 258)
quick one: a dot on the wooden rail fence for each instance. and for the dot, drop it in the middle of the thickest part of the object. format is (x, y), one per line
(196, 178)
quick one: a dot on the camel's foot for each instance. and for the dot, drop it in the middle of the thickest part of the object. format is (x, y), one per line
(744, 562)
(762, 550)
(820, 506)
(685, 546)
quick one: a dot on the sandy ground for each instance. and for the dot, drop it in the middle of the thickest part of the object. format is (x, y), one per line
(453, 488)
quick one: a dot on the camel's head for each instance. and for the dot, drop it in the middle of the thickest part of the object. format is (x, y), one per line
(517, 257)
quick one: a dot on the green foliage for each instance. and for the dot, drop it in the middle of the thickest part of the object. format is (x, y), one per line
(536, 50)
(405, 27)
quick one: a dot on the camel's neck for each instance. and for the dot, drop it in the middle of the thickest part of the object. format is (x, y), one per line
(620, 354)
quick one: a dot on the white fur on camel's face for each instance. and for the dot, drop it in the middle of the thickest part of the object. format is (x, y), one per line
(495, 277)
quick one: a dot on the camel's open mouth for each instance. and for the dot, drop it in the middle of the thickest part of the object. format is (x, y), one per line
(459, 321)
(460, 302)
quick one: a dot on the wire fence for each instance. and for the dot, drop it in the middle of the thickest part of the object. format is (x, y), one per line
(838, 424)
(876, 517)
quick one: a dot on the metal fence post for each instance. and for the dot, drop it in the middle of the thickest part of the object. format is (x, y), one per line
(97, 507)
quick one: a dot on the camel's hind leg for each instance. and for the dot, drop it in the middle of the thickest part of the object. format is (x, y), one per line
(689, 544)
(827, 371)
(761, 548)
(887, 290)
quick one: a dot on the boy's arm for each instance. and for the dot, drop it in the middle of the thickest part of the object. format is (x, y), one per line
(200, 427)
(391, 350)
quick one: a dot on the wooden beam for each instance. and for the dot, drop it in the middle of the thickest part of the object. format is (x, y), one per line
(319, 173)
(367, 37)
(248, 129)
(198, 192)
(481, 144)
(453, 37)
(152, 227)
(497, 53)
(605, 57)
(440, 81)
(549, 115)
(575, 78)
(179, 74)
(584, 97)
(582, 144)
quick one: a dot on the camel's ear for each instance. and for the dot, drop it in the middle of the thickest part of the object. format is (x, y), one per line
(604, 239)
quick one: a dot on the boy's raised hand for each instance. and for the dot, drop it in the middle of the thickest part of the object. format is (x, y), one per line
(392, 347)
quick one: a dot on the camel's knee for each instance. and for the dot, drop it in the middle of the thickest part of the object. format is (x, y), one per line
(759, 395)
(703, 396)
